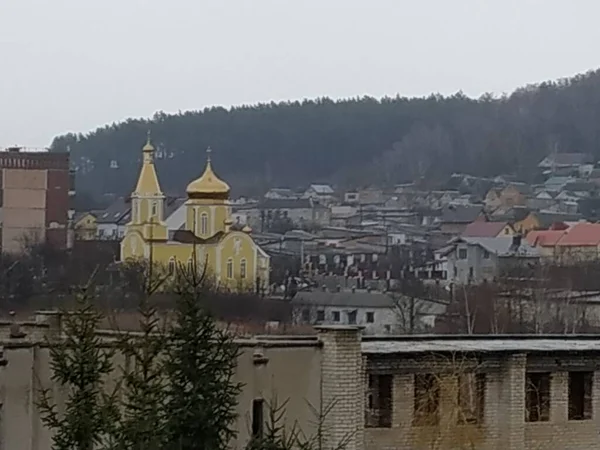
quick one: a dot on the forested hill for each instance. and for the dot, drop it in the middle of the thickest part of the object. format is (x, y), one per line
(354, 142)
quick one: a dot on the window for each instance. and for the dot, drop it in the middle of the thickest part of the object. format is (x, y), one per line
(305, 315)
(154, 209)
(537, 397)
(335, 316)
(462, 253)
(471, 397)
(580, 395)
(320, 315)
(243, 268)
(203, 224)
(378, 413)
(370, 317)
(171, 265)
(426, 399)
(230, 268)
(257, 417)
(352, 317)
(470, 273)
(486, 254)
(190, 264)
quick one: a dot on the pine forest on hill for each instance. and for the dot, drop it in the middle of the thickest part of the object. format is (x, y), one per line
(351, 143)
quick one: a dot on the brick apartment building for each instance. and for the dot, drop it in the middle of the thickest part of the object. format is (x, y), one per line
(36, 189)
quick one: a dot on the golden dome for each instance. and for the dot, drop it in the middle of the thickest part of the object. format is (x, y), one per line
(209, 185)
(247, 229)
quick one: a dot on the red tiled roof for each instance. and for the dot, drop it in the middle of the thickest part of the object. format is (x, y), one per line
(544, 238)
(581, 235)
(484, 229)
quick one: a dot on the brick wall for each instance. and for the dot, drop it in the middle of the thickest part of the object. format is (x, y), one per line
(34, 197)
(504, 426)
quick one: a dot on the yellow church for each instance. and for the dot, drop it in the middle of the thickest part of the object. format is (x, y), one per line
(230, 256)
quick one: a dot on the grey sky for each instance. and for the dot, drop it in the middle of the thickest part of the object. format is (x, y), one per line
(72, 65)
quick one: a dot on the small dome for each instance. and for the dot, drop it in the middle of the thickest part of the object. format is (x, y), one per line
(209, 185)
(148, 147)
(247, 229)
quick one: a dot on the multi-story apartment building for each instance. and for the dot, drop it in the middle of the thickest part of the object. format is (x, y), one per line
(36, 192)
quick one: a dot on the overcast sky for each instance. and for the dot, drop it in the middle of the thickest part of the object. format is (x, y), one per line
(73, 65)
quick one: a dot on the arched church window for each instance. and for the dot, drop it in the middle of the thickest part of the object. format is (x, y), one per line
(154, 209)
(204, 223)
(190, 264)
(243, 268)
(230, 268)
(171, 265)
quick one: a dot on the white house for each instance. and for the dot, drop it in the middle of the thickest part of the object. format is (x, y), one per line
(378, 312)
(324, 193)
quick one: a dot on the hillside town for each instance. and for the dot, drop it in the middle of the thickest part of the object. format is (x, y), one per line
(310, 225)
(394, 276)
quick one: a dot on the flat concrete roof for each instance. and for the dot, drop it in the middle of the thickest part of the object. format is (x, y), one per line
(483, 344)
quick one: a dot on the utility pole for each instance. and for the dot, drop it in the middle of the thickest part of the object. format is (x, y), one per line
(302, 255)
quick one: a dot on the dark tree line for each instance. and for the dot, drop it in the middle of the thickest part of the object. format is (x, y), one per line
(351, 142)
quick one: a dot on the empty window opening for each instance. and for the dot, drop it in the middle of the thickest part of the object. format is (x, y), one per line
(580, 395)
(426, 399)
(378, 413)
(537, 397)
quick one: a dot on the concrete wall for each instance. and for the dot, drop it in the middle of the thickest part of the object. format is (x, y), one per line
(271, 369)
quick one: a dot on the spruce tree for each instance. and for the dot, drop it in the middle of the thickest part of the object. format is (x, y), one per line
(200, 368)
(80, 364)
(142, 408)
